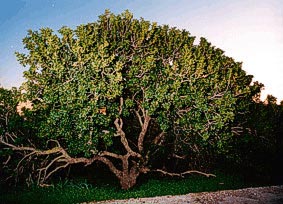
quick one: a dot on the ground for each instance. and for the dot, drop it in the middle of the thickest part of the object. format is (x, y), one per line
(261, 195)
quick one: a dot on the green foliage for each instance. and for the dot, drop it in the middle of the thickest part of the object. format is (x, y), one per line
(257, 149)
(16, 130)
(9, 118)
(190, 90)
(266, 139)
(11, 124)
(81, 191)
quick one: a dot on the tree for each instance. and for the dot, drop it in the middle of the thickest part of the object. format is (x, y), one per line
(8, 115)
(266, 125)
(124, 92)
(12, 129)
(257, 149)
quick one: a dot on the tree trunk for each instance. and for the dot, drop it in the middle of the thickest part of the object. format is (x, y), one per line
(128, 181)
(129, 178)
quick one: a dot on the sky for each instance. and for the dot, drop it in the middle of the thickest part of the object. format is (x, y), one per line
(250, 31)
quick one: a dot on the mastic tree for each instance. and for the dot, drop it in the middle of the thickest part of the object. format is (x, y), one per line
(125, 91)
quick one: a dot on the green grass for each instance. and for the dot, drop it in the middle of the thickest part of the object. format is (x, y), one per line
(81, 191)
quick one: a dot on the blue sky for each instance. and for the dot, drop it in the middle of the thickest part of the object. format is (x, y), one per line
(250, 31)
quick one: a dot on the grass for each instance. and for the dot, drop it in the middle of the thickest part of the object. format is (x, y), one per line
(81, 191)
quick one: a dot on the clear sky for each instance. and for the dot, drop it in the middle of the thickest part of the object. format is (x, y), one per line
(250, 31)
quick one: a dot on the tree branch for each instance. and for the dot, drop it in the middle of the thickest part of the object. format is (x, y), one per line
(143, 133)
(139, 117)
(107, 162)
(119, 126)
(183, 173)
(157, 139)
(110, 154)
(63, 159)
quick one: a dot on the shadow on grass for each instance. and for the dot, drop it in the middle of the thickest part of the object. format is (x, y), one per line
(76, 191)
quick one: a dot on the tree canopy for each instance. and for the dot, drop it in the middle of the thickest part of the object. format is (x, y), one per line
(123, 89)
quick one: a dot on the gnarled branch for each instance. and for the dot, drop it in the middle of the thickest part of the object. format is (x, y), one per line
(60, 160)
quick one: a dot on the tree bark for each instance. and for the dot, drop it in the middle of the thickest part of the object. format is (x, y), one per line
(128, 180)
(129, 177)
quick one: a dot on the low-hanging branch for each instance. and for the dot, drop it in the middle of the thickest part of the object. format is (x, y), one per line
(61, 159)
(183, 173)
